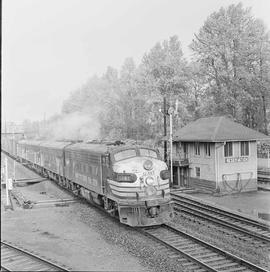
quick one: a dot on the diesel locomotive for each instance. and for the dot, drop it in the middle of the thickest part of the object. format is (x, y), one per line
(130, 182)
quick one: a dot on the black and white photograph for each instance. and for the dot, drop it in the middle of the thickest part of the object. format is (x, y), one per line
(135, 135)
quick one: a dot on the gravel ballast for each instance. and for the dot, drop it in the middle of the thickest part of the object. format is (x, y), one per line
(226, 241)
(84, 238)
(79, 236)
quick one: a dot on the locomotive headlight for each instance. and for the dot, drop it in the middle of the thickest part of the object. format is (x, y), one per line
(165, 174)
(150, 190)
(149, 181)
(148, 165)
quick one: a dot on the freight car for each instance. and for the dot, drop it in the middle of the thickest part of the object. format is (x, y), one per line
(130, 182)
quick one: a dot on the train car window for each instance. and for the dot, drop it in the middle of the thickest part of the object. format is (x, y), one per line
(95, 171)
(125, 154)
(148, 153)
(90, 170)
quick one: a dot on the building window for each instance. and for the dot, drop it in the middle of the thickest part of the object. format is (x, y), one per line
(228, 149)
(207, 149)
(178, 148)
(198, 171)
(185, 150)
(244, 148)
(197, 149)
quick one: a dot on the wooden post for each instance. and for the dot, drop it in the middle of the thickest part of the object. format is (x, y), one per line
(268, 159)
(14, 161)
(6, 180)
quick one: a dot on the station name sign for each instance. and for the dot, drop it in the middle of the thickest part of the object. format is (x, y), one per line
(236, 159)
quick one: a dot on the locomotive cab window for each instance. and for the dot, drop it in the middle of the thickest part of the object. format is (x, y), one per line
(148, 153)
(125, 154)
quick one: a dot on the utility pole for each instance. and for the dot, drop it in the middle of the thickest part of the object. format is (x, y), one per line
(165, 127)
(171, 112)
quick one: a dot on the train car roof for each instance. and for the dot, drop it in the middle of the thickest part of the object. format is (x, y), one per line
(96, 148)
(54, 144)
(102, 148)
(30, 142)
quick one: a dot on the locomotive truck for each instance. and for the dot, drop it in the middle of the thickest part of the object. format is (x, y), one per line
(130, 182)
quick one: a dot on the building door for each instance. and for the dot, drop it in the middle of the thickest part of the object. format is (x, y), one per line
(175, 177)
(184, 177)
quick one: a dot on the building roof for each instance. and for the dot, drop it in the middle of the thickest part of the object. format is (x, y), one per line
(217, 129)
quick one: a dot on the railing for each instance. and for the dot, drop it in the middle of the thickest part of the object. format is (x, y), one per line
(180, 162)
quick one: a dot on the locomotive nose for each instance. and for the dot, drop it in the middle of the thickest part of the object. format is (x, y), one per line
(150, 191)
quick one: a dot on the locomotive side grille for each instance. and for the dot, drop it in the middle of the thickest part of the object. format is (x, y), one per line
(132, 195)
(130, 191)
(137, 188)
(128, 185)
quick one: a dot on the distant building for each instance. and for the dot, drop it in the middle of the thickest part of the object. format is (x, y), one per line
(216, 154)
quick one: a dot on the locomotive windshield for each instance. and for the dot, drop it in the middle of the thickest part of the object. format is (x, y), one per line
(129, 153)
(148, 153)
(125, 154)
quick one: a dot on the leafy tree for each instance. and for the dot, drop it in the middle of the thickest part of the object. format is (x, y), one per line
(199, 99)
(232, 48)
(230, 74)
(163, 74)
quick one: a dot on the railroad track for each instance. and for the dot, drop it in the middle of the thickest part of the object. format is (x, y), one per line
(246, 228)
(17, 259)
(264, 175)
(264, 179)
(197, 254)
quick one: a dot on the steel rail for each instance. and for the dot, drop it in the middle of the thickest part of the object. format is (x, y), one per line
(209, 257)
(4, 268)
(14, 258)
(207, 217)
(229, 220)
(221, 211)
(199, 262)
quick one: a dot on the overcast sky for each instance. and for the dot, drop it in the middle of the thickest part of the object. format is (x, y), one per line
(51, 47)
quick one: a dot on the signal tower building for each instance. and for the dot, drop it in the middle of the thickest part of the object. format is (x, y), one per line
(216, 154)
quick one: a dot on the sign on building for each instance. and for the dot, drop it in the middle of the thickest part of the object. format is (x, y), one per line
(236, 159)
